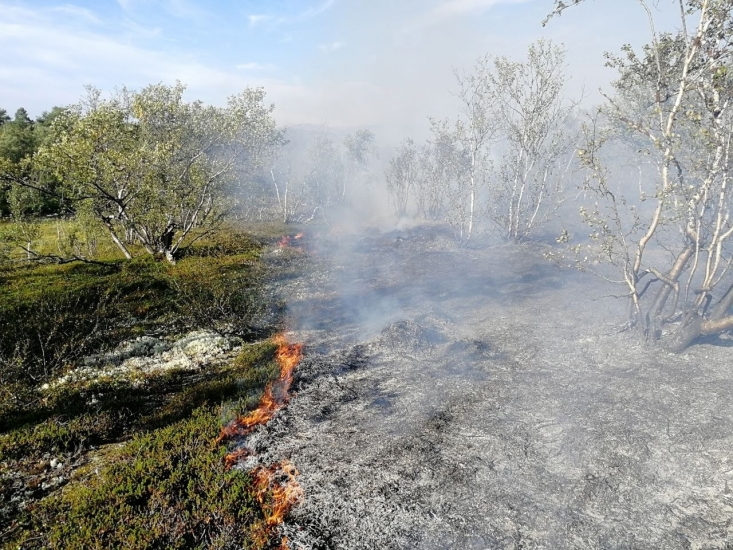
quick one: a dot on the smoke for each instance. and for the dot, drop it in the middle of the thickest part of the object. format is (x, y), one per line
(460, 395)
(395, 67)
(473, 394)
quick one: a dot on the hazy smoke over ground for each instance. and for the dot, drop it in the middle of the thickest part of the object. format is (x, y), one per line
(480, 397)
(461, 392)
(458, 389)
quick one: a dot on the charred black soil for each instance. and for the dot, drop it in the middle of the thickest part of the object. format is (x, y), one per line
(483, 398)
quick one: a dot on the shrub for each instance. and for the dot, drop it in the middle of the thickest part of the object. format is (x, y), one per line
(164, 489)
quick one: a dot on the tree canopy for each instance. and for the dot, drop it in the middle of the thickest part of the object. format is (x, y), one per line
(147, 165)
(672, 109)
(20, 138)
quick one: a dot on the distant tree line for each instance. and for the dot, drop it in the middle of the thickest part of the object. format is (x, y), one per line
(20, 138)
(316, 175)
(145, 168)
(664, 239)
(504, 160)
(151, 172)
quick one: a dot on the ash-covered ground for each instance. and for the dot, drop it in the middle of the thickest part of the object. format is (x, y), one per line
(481, 397)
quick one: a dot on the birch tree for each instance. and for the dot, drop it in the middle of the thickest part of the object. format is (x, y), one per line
(360, 149)
(151, 168)
(289, 192)
(462, 149)
(324, 175)
(675, 95)
(474, 131)
(402, 173)
(430, 186)
(532, 114)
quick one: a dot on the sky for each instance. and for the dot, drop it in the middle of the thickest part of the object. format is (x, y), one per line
(383, 64)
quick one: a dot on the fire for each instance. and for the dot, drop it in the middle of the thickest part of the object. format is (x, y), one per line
(276, 488)
(235, 456)
(288, 356)
(276, 394)
(278, 481)
(287, 241)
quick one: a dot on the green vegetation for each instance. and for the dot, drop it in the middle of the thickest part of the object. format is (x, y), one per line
(144, 169)
(133, 325)
(129, 460)
(20, 138)
(51, 316)
(165, 488)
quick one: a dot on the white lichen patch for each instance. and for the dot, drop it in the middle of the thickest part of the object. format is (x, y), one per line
(146, 356)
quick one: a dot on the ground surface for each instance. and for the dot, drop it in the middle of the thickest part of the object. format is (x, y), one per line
(481, 398)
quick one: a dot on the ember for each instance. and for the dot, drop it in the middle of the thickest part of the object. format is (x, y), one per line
(287, 240)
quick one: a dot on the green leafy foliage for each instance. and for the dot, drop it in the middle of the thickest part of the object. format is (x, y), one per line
(150, 167)
(128, 462)
(20, 138)
(163, 489)
(17, 139)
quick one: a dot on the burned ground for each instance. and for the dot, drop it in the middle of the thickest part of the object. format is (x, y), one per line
(482, 398)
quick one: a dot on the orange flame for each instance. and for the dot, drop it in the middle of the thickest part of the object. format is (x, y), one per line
(234, 457)
(276, 488)
(275, 396)
(278, 481)
(287, 241)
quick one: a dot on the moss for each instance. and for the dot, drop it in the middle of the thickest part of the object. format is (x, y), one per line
(59, 435)
(164, 489)
(50, 316)
(76, 417)
(166, 486)
(242, 380)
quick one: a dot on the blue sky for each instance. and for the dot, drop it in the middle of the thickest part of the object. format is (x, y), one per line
(384, 63)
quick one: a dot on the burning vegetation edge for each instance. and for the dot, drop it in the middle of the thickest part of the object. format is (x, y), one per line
(277, 481)
(103, 486)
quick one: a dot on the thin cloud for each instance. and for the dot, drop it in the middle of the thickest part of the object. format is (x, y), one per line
(42, 56)
(141, 30)
(185, 9)
(254, 66)
(126, 5)
(318, 9)
(463, 7)
(77, 12)
(259, 19)
(256, 19)
(332, 47)
(457, 8)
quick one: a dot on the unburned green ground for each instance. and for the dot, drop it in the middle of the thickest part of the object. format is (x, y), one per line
(130, 463)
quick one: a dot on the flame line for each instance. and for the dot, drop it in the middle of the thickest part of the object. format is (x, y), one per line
(275, 396)
(277, 480)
